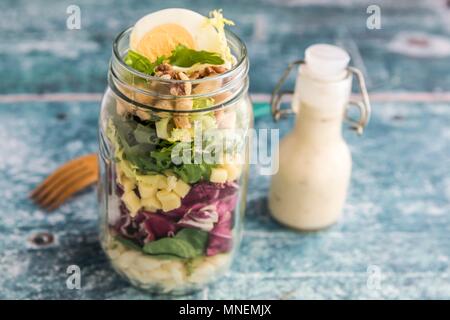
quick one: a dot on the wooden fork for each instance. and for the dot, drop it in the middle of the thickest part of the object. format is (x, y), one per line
(67, 180)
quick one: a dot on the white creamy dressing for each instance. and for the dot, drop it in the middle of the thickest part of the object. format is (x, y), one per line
(310, 188)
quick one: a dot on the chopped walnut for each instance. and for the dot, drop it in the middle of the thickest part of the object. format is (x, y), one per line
(123, 108)
(181, 76)
(178, 90)
(183, 104)
(194, 75)
(219, 69)
(164, 104)
(212, 70)
(181, 89)
(206, 87)
(182, 120)
(209, 86)
(164, 69)
(143, 115)
(166, 76)
(221, 97)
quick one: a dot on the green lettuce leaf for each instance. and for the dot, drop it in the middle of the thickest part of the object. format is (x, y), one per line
(202, 103)
(139, 144)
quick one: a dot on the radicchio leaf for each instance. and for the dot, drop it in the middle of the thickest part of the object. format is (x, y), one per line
(208, 207)
(145, 226)
(220, 238)
(159, 224)
(202, 218)
(203, 192)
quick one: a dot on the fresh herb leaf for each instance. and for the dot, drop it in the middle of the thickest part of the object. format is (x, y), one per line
(141, 63)
(184, 57)
(193, 173)
(163, 157)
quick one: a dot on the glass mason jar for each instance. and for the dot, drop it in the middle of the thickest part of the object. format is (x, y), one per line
(173, 172)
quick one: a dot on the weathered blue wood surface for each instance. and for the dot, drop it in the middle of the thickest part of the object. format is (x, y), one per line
(397, 218)
(39, 54)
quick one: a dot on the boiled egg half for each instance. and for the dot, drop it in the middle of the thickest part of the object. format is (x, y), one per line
(158, 33)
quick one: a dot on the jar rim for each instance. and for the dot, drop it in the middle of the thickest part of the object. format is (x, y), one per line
(235, 98)
(235, 78)
(235, 68)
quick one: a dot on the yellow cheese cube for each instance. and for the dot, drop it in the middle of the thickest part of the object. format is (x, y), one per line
(157, 180)
(146, 190)
(162, 182)
(169, 200)
(128, 184)
(233, 171)
(132, 202)
(126, 168)
(149, 179)
(171, 182)
(181, 188)
(151, 203)
(218, 175)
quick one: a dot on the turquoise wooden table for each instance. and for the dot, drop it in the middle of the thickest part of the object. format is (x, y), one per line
(394, 238)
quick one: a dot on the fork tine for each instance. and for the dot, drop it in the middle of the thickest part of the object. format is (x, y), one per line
(57, 179)
(65, 181)
(55, 176)
(53, 192)
(72, 189)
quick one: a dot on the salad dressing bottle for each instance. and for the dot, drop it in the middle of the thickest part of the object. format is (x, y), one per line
(309, 190)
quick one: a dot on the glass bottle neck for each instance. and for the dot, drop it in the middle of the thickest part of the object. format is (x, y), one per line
(321, 105)
(317, 125)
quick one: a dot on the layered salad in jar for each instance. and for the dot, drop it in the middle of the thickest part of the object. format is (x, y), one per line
(171, 226)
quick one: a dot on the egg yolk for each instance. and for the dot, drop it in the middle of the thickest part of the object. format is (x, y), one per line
(160, 41)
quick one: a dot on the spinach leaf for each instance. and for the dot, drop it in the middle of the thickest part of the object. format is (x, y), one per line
(187, 243)
(197, 238)
(172, 246)
(128, 243)
(184, 57)
(131, 245)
